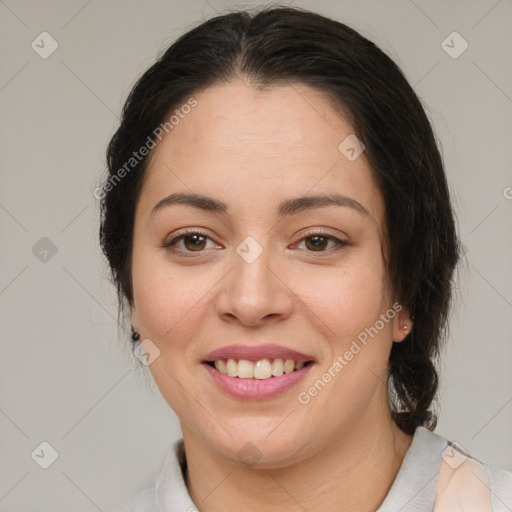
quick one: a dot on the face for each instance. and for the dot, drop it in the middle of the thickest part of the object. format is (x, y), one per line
(254, 282)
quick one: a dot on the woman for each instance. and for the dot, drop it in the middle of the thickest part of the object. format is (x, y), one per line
(278, 224)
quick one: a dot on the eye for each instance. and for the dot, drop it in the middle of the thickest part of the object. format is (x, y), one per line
(318, 242)
(196, 241)
(192, 241)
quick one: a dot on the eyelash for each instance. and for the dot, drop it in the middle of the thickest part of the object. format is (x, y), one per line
(169, 246)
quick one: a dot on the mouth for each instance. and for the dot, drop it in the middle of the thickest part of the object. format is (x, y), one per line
(257, 372)
(261, 369)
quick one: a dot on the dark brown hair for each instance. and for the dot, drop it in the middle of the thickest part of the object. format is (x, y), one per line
(281, 45)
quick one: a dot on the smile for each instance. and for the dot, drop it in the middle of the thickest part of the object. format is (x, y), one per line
(257, 372)
(262, 369)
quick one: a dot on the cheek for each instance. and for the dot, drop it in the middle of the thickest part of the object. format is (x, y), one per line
(166, 298)
(170, 305)
(347, 299)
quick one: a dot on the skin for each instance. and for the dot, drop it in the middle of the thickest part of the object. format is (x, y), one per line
(253, 149)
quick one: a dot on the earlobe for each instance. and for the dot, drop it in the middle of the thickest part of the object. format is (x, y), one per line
(402, 326)
(135, 334)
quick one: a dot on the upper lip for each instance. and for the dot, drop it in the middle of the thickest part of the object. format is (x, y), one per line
(257, 352)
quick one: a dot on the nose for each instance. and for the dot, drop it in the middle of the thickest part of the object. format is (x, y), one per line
(253, 293)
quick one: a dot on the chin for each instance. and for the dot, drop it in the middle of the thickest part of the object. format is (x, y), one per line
(259, 446)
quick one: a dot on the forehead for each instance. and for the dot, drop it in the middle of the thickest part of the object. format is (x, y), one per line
(251, 148)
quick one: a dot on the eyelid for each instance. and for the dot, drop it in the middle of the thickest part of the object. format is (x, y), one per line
(318, 231)
(324, 234)
(180, 235)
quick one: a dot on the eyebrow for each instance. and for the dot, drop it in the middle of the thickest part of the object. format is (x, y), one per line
(286, 208)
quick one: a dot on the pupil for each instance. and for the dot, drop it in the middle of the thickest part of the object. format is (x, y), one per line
(196, 238)
(318, 241)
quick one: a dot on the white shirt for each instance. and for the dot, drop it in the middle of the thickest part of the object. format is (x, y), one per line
(436, 475)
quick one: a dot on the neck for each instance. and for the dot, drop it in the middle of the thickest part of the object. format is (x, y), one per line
(354, 471)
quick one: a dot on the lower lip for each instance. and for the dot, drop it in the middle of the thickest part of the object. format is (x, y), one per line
(257, 389)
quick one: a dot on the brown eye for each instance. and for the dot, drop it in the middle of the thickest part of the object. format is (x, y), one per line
(188, 242)
(316, 242)
(319, 242)
(194, 242)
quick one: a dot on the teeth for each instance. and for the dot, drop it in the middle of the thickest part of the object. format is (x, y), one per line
(245, 369)
(277, 367)
(289, 366)
(221, 366)
(261, 370)
(232, 368)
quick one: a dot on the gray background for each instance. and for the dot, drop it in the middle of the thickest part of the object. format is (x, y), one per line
(66, 376)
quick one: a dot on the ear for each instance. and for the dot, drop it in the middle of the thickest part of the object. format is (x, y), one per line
(402, 325)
